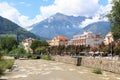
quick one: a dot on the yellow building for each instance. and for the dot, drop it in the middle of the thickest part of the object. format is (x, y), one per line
(27, 43)
(108, 38)
(58, 40)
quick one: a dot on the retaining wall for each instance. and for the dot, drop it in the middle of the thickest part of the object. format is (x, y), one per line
(65, 59)
(105, 64)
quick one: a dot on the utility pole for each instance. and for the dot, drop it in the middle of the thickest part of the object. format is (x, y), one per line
(17, 38)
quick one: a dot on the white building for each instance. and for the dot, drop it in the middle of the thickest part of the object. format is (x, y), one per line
(27, 43)
(87, 39)
(108, 38)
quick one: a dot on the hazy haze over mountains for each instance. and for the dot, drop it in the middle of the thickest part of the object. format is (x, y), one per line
(60, 24)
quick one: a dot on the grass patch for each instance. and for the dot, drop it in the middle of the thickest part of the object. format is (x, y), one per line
(46, 57)
(33, 57)
(97, 71)
(5, 64)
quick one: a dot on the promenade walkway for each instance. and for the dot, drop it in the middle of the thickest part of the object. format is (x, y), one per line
(51, 70)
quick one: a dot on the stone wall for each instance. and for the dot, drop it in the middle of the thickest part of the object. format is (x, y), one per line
(104, 64)
(65, 59)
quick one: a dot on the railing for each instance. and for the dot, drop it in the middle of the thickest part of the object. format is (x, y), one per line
(18, 56)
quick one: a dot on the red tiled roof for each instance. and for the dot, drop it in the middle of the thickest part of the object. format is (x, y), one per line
(62, 38)
(98, 36)
(28, 40)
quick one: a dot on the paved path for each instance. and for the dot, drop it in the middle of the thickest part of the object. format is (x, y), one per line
(51, 70)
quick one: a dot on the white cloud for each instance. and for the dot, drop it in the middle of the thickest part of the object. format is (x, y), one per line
(8, 12)
(68, 7)
(26, 22)
(78, 8)
(96, 18)
(100, 15)
(14, 15)
(109, 1)
(26, 4)
(71, 7)
(89, 21)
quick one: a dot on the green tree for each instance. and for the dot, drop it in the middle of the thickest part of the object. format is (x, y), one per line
(17, 51)
(61, 49)
(116, 47)
(8, 43)
(114, 18)
(40, 50)
(1, 55)
(44, 43)
(117, 50)
(105, 49)
(35, 46)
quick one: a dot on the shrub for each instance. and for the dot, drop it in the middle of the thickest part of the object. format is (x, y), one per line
(38, 57)
(9, 64)
(5, 64)
(0, 55)
(46, 57)
(97, 71)
(2, 66)
(33, 57)
(1, 69)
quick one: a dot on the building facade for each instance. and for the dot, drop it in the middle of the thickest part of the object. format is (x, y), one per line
(108, 38)
(58, 40)
(27, 43)
(86, 39)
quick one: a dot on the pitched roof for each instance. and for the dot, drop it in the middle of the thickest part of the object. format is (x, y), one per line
(61, 38)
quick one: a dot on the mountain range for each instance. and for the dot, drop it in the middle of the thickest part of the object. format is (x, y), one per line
(60, 24)
(9, 28)
(101, 27)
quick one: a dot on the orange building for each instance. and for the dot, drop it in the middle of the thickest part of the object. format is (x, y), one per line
(58, 40)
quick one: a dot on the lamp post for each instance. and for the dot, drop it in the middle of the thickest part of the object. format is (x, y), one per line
(65, 49)
(75, 50)
(48, 50)
(111, 49)
(110, 46)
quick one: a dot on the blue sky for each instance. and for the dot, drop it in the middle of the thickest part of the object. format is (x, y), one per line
(31, 7)
(103, 2)
(28, 12)
(28, 7)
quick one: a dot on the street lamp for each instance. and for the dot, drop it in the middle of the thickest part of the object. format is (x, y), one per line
(48, 50)
(111, 49)
(110, 46)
